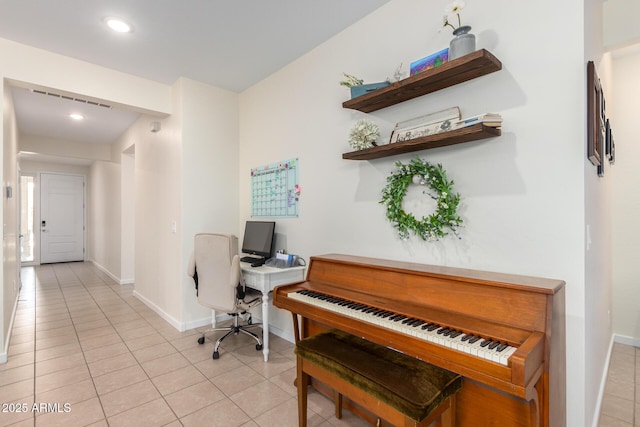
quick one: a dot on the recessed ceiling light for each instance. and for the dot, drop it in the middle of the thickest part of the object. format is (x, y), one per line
(76, 116)
(118, 25)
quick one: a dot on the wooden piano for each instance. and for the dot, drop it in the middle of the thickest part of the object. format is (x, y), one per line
(505, 334)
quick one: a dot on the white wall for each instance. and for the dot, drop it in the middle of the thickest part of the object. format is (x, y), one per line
(626, 204)
(103, 217)
(70, 149)
(128, 216)
(209, 166)
(8, 219)
(621, 23)
(596, 320)
(157, 205)
(23, 64)
(522, 194)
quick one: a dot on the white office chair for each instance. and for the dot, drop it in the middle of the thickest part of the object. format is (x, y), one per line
(215, 267)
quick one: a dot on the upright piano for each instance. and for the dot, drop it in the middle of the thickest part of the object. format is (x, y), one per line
(504, 334)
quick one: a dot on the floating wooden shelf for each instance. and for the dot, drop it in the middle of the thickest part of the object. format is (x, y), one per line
(458, 136)
(476, 64)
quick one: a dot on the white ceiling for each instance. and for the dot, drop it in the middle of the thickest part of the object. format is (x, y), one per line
(231, 44)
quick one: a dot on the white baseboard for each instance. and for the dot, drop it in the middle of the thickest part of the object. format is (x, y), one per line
(627, 340)
(126, 281)
(4, 355)
(286, 335)
(201, 322)
(173, 322)
(106, 271)
(620, 339)
(603, 383)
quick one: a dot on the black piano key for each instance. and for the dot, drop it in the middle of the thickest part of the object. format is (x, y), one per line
(502, 346)
(442, 331)
(433, 327)
(473, 339)
(493, 345)
(485, 343)
(455, 334)
(466, 337)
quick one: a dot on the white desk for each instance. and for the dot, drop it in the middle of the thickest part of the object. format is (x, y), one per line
(264, 279)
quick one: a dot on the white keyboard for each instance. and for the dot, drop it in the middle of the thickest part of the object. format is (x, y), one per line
(475, 345)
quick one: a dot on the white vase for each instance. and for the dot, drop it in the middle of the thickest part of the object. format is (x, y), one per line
(463, 43)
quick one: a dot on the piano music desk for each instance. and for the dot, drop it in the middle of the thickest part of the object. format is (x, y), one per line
(264, 279)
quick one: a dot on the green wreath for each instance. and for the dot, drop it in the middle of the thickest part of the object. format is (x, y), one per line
(422, 172)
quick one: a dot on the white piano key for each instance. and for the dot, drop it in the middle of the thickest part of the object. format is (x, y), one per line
(474, 349)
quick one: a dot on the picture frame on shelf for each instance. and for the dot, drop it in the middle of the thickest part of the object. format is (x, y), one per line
(428, 124)
(596, 131)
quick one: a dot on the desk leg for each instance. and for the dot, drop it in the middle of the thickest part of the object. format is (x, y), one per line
(265, 326)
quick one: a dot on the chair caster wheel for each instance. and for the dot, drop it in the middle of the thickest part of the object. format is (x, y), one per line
(258, 347)
(201, 340)
(249, 321)
(216, 355)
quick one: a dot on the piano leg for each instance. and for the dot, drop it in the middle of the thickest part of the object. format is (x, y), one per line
(448, 418)
(296, 328)
(303, 384)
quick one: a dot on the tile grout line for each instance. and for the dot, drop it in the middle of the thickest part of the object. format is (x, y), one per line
(95, 294)
(35, 327)
(125, 344)
(73, 323)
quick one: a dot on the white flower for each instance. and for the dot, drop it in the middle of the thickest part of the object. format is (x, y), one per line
(363, 134)
(454, 8)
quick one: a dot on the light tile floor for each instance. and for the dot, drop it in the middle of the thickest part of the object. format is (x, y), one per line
(621, 400)
(86, 352)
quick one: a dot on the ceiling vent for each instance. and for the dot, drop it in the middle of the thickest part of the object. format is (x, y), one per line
(70, 98)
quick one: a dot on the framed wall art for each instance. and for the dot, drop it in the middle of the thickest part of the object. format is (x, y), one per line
(611, 146)
(596, 131)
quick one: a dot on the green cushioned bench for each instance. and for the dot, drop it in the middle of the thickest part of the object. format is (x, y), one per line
(398, 388)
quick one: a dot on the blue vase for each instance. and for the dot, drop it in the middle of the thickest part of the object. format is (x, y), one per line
(463, 42)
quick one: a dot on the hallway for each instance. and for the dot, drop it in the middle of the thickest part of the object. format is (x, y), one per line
(85, 343)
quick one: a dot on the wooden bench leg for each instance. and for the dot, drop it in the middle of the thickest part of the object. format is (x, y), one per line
(303, 384)
(337, 401)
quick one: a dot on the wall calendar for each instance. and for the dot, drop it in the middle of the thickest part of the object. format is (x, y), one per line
(275, 189)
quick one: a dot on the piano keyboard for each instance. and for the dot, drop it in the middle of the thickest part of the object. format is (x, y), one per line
(484, 348)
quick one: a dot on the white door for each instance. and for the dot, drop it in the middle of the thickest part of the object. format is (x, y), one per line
(61, 218)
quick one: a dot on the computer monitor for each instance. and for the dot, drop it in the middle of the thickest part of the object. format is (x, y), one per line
(258, 238)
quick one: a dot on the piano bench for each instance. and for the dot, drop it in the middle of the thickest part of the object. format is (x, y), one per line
(399, 389)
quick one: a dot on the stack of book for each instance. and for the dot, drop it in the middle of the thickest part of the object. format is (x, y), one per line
(487, 119)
